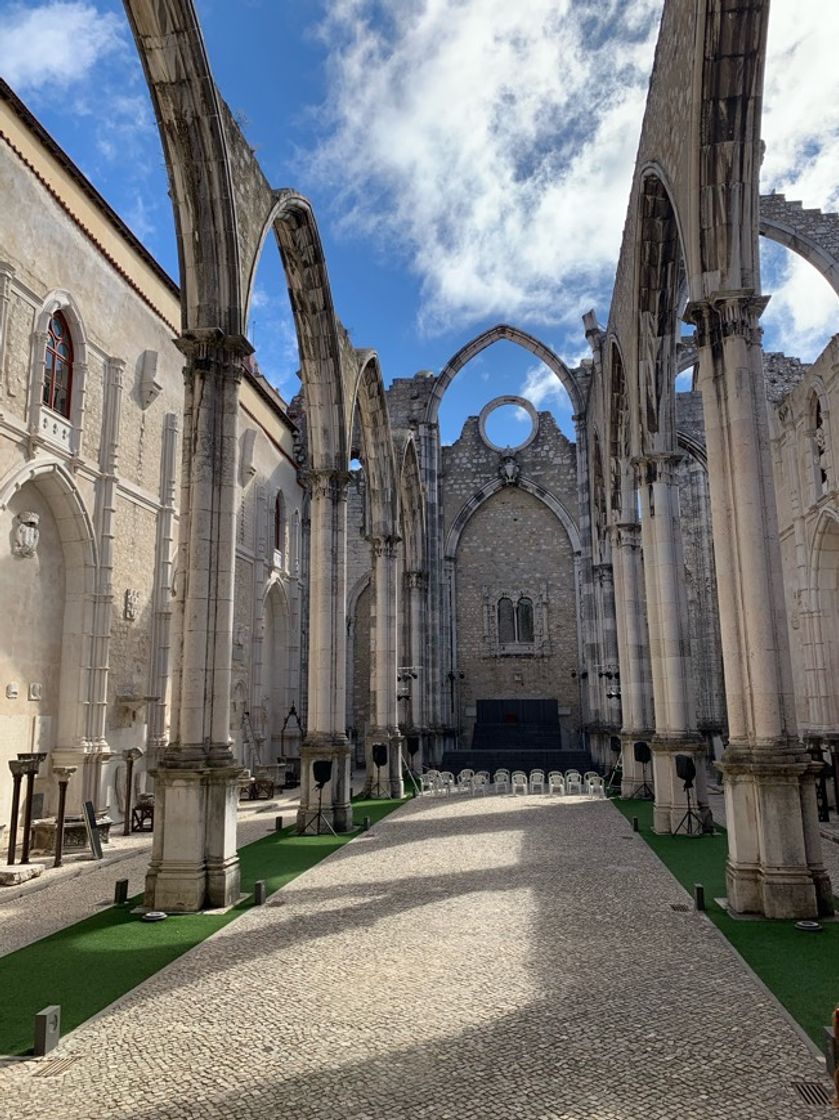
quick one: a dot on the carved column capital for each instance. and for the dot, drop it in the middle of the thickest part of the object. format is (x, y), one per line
(723, 315)
(658, 467)
(416, 579)
(325, 483)
(625, 534)
(209, 348)
(384, 547)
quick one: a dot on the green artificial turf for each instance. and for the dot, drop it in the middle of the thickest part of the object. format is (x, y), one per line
(801, 969)
(90, 964)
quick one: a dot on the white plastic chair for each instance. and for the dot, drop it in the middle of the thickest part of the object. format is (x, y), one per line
(447, 781)
(518, 782)
(587, 777)
(501, 781)
(464, 781)
(573, 782)
(537, 781)
(594, 786)
(480, 782)
(556, 783)
(427, 782)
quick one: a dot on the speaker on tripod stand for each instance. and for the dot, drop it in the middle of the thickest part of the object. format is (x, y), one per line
(642, 753)
(691, 822)
(379, 760)
(322, 774)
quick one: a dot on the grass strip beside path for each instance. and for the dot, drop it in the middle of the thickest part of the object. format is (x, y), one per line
(801, 969)
(90, 964)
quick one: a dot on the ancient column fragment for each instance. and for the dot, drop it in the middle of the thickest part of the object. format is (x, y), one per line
(667, 612)
(326, 739)
(194, 861)
(774, 862)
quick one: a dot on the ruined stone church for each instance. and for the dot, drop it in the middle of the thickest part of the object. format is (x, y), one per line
(204, 578)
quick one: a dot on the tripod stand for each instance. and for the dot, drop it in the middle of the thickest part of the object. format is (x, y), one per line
(644, 790)
(322, 773)
(691, 822)
(377, 790)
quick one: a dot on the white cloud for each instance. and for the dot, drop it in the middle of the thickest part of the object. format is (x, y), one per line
(543, 389)
(803, 312)
(490, 145)
(57, 43)
(801, 132)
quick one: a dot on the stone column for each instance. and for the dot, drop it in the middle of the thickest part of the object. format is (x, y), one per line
(417, 583)
(63, 775)
(326, 730)
(436, 686)
(161, 637)
(104, 516)
(633, 649)
(6, 276)
(774, 859)
(16, 767)
(587, 622)
(384, 659)
(194, 861)
(669, 629)
(608, 669)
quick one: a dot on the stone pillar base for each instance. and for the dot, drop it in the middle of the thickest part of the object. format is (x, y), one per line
(334, 798)
(671, 803)
(774, 861)
(194, 863)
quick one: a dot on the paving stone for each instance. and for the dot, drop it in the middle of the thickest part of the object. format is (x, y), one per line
(498, 957)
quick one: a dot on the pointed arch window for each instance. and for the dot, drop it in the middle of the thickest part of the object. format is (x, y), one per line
(506, 621)
(279, 530)
(58, 366)
(524, 620)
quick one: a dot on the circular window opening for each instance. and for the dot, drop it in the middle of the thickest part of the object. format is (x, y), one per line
(509, 424)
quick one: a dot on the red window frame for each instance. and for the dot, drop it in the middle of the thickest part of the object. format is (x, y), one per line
(58, 366)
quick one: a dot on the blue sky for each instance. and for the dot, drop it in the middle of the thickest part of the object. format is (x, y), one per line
(468, 160)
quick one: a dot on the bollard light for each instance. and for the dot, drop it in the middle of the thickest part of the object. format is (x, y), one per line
(634, 824)
(259, 892)
(278, 824)
(120, 892)
(698, 896)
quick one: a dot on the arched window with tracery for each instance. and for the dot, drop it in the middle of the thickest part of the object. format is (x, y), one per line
(58, 366)
(524, 620)
(506, 621)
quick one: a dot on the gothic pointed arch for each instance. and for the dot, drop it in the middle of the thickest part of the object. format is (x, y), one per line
(553, 503)
(369, 401)
(502, 331)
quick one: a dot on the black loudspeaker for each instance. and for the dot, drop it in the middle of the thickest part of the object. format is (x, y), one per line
(322, 771)
(413, 747)
(379, 754)
(615, 744)
(642, 752)
(686, 769)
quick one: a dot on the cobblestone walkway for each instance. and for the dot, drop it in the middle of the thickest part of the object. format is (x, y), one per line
(491, 958)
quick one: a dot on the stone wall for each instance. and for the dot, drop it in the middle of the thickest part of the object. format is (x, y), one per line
(512, 543)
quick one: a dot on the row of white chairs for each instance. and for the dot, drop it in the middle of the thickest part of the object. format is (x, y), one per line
(517, 781)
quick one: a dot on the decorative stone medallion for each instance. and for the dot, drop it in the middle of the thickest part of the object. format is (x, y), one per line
(27, 534)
